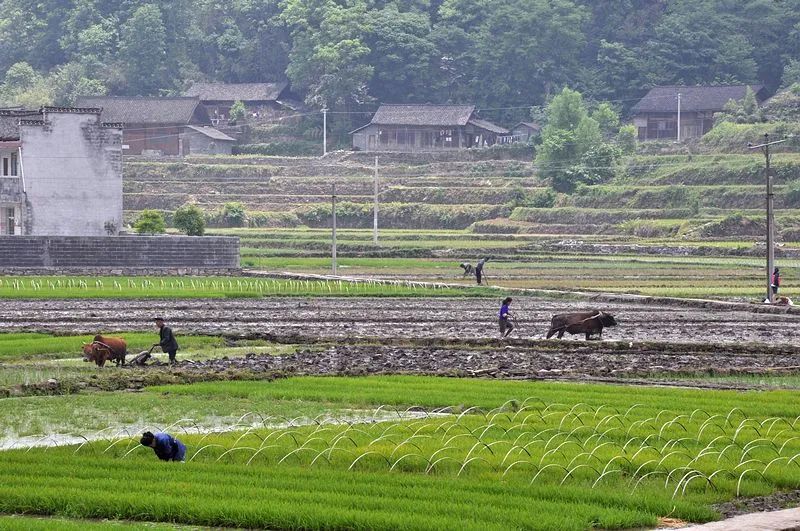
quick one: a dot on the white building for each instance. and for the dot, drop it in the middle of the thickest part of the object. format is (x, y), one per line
(60, 173)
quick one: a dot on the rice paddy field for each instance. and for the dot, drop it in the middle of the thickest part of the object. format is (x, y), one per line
(324, 403)
(422, 453)
(732, 270)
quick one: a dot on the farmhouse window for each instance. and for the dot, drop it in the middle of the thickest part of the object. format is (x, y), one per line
(383, 136)
(10, 165)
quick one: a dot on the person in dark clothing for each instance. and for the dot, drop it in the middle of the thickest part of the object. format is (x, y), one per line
(166, 447)
(479, 269)
(168, 343)
(775, 283)
(506, 326)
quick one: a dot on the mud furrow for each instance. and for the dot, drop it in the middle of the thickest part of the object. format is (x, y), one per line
(337, 318)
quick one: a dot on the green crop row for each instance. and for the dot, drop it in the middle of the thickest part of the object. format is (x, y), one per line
(558, 456)
(46, 287)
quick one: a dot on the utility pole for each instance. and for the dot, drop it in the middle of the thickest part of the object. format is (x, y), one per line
(375, 207)
(325, 131)
(679, 117)
(333, 235)
(770, 218)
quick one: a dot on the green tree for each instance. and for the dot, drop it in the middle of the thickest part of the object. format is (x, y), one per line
(22, 85)
(401, 53)
(791, 73)
(190, 220)
(328, 55)
(569, 134)
(70, 81)
(745, 111)
(607, 118)
(234, 214)
(698, 43)
(143, 51)
(238, 112)
(512, 49)
(150, 222)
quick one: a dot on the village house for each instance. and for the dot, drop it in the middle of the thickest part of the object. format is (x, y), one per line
(409, 128)
(525, 131)
(656, 115)
(60, 173)
(260, 99)
(161, 126)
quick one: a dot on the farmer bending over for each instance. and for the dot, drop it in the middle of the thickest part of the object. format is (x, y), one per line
(166, 447)
(506, 326)
(167, 343)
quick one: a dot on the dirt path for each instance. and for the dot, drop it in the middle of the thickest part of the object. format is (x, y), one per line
(336, 318)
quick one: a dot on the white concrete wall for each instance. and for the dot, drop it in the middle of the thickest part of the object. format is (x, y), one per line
(73, 175)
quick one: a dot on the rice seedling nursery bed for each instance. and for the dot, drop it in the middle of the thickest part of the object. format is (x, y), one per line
(428, 453)
(74, 287)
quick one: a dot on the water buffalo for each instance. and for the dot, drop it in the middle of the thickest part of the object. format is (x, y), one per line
(588, 323)
(105, 348)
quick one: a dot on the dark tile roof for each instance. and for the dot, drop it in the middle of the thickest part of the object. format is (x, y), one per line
(210, 132)
(237, 91)
(435, 115)
(9, 122)
(139, 110)
(530, 125)
(693, 98)
(489, 126)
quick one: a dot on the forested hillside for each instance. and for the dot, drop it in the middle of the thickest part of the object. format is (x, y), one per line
(502, 55)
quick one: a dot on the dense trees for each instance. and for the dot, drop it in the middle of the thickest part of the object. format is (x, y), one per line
(503, 55)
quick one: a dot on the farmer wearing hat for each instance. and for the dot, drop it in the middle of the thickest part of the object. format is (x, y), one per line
(167, 343)
(166, 447)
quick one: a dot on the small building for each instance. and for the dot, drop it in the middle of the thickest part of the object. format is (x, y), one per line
(158, 126)
(656, 115)
(525, 131)
(409, 128)
(258, 98)
(205, 140)
(60, 173)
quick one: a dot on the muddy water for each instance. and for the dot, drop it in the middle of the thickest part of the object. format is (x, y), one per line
(453, 318)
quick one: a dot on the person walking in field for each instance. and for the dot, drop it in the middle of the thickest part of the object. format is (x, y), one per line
(775, 283)
(479, 269)
(167, 341)
(166, 447)
(506, 325)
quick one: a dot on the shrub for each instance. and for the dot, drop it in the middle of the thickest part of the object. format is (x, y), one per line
(544, 198)
(234, 215)
(673, 196)
(295, 148)
(189, 219)
(150, 222)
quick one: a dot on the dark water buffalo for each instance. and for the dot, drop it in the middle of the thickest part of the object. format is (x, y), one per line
(588, 323)
(105, 348)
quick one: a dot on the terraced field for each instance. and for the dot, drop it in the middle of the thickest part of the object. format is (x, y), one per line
(672, 194)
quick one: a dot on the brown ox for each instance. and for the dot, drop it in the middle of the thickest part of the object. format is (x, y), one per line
(105, 348)
(588, 323)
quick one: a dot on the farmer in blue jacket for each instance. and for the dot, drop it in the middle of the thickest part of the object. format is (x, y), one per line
(166, 447)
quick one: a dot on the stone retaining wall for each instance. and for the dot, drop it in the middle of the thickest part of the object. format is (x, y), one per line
(122, 255)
